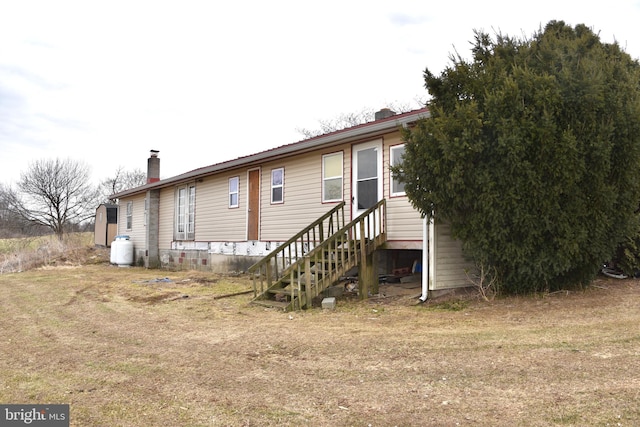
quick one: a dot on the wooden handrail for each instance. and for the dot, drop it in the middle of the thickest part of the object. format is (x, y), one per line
(368, 230)
(370, 226)
(278, 262)
(330, 257)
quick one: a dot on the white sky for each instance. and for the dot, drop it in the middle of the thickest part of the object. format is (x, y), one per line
(208, 81)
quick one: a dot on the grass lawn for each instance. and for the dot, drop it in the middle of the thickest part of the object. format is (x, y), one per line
(137, 347)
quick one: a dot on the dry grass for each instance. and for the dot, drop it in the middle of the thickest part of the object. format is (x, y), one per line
(125, 349)
(22, 254)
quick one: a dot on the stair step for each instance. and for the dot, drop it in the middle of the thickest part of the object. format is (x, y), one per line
(284, 291)
(335, 256)
(287, 281)
(282, 305)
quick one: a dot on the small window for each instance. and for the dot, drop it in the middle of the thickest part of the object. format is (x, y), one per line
(332, 177)
(129, 215)
(397, 187)
(277, 185)
(234, 192)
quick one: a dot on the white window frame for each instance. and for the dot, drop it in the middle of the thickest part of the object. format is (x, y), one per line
(234, 180)
(326, 178)
(394, 181)
(129, 215)
(185, 215)
(275, 186)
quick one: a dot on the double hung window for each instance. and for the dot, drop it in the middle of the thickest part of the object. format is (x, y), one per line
(277, 185)
(397, 187)
(234, 192)
(129, 215)
(185, 212)
(332, 177)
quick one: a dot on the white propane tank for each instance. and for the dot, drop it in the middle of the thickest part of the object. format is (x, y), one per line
(123, 254)
(114, 250)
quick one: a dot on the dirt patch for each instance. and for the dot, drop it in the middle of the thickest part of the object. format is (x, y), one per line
(124, 348)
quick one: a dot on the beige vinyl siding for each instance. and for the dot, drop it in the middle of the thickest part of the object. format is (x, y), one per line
(167, 217)
(347, 181)
(302, 196)
(450, 263)
(137, 234)
(215, 221)
(403, 221)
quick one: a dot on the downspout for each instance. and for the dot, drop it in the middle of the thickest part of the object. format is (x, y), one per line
(425, 260)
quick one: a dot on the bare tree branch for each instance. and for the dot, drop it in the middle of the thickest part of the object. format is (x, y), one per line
(56, 194)
(347, 120)
(122, 180)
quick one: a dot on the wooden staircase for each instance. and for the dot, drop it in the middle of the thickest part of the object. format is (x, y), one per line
(297, 271)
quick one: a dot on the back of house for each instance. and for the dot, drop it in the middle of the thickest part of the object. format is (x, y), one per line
(227, 216)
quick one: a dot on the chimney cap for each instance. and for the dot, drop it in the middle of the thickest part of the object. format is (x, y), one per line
(154, 153)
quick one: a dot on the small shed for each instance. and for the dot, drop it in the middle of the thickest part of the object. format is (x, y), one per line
(106, 226)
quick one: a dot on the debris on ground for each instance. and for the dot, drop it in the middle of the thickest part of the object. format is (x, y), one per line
(157, 280)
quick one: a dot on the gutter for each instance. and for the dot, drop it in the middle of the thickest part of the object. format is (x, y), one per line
(425, 260)
(428, 257)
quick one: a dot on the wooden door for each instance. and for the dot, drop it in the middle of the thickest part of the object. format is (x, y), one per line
(253, 214)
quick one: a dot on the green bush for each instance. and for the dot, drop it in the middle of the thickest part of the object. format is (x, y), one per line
(532, 154)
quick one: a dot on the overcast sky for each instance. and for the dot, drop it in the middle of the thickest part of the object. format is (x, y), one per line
(208, 81)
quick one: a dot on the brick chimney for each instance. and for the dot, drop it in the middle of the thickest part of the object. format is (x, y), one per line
(153, 167)
(384, 113)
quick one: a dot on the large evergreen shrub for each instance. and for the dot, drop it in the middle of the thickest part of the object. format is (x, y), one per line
(532, 154)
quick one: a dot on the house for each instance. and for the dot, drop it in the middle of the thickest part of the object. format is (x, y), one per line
(106, 225)
(230, 215)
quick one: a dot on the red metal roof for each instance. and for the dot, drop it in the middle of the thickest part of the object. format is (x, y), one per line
(325, 140)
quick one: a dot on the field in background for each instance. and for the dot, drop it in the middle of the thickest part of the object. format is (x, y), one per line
(136, 347)
(32, 252)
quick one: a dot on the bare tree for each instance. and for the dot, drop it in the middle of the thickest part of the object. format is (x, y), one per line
(341, 121)
(9, 221)
(5, 209)
(56, 194)
(123, 180)
(346, 120)
(12, 224)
